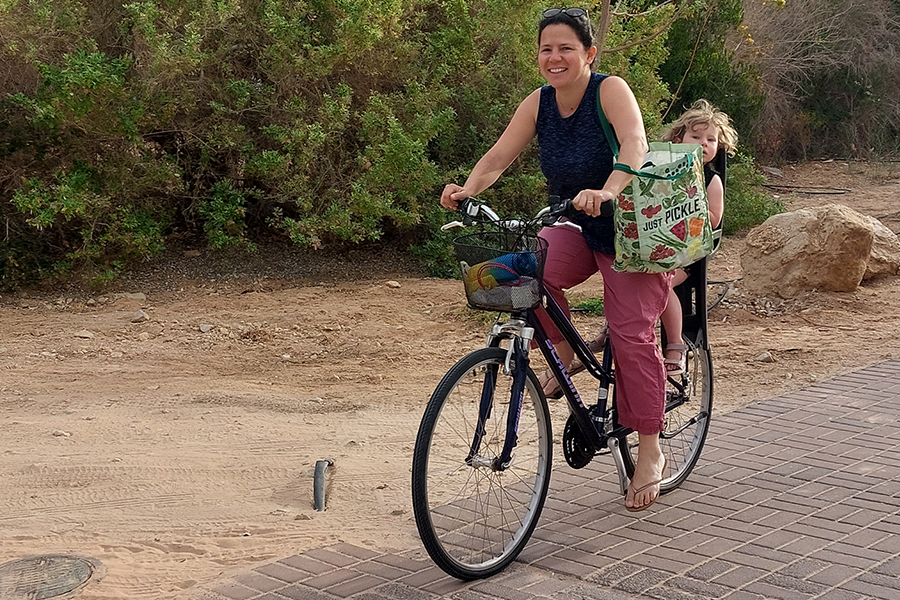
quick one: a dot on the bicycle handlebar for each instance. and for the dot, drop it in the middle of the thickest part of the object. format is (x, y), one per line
(473, 211)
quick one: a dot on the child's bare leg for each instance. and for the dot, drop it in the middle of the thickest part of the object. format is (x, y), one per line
(672, 321)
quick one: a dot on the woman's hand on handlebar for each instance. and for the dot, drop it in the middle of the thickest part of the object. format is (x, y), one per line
(591, 202)
(452, 195)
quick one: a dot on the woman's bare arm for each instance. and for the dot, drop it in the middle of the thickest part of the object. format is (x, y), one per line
(624, 114)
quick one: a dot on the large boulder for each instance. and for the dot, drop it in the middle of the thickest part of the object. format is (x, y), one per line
(827, 248)
(884, 261)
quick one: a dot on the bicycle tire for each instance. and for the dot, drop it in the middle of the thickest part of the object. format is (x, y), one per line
(686, 424)
(474, 520)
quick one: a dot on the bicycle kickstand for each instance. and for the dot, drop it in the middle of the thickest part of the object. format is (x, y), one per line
(613, 444)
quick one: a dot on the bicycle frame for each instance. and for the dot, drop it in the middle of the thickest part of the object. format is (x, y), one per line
(479, 484)
(601, 431)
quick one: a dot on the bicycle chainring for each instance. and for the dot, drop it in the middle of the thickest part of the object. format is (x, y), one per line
(576, 449)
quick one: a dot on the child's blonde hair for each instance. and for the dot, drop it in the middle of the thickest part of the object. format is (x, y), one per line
(702, 112)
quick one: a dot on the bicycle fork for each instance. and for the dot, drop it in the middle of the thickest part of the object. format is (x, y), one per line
(517, 363)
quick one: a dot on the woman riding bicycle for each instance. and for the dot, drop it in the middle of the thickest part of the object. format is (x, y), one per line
(577, 162)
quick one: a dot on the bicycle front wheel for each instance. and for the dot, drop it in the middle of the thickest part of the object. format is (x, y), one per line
(688, 412)
(473, 516)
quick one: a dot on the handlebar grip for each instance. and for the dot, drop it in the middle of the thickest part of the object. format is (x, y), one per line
(607, 208)
(563, 208)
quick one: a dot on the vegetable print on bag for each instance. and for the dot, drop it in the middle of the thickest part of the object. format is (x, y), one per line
(662, 217)
(664, 224)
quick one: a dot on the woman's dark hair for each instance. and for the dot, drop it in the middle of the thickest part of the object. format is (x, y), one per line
(580, 25)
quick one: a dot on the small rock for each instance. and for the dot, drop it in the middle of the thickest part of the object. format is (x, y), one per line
(398, 512)
(192, 254)
(139, 317)
(91, 302)
(136, 296)
(61, 433)
(393, 284)
(302, 517)
(206, 327)
(85, 334)
(143, 336)
(765, 357)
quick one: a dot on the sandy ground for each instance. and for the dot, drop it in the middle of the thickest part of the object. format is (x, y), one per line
(177, 446)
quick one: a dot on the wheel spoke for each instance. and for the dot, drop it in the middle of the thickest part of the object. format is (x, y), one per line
(473, 519)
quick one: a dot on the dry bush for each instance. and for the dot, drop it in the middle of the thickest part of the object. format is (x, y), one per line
(830, 71)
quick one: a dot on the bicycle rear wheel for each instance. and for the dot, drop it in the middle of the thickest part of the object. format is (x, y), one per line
(688, 411)
(473, 518)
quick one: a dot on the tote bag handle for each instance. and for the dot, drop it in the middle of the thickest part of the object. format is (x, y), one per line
(614, 146)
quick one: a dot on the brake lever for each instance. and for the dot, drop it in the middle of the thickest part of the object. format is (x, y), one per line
(559, 208)
(468, 208)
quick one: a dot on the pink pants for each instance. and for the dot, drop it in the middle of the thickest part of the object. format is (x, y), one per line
(632, 303)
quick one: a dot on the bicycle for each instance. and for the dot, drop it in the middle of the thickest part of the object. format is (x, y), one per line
(483, 453)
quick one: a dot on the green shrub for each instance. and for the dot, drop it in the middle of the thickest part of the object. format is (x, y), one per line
(746, 202)
(125, 125)
(223, 217)
(436, 251)
(84, 228)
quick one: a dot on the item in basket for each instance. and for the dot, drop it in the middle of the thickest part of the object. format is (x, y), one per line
(520, 297)
(474, 279)
(507, 269)
(521, 264)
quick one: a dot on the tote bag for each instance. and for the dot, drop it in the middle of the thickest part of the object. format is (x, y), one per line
(662, 217)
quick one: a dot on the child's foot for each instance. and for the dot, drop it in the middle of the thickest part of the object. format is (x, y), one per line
(676, 358)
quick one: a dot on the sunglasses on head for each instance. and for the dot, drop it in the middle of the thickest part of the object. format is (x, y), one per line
(570, 12)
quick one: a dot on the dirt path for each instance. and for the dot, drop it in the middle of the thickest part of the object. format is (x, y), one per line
(177, 445)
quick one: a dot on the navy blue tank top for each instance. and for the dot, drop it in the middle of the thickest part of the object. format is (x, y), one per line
(575, 156)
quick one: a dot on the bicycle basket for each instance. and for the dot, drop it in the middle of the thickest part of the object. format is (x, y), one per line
(501, 270)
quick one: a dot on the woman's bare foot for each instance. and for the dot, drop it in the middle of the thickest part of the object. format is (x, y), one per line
(550, 385)
(648, 473)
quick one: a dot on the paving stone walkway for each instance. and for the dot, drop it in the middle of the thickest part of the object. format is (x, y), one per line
(794, 498)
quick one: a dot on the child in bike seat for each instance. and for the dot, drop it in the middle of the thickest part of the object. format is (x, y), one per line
(711, 128)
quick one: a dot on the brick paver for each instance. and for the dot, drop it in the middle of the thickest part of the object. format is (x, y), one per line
(797, 497)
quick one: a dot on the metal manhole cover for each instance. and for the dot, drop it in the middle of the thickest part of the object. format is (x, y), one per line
(43, 576)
